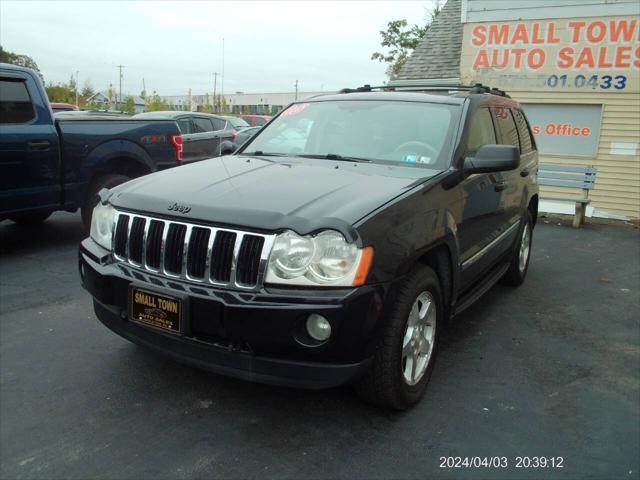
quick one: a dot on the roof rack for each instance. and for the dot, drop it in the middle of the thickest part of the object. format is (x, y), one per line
(476, 88)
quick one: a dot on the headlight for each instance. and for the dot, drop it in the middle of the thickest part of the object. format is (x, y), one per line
(102, 225)
(324, 259)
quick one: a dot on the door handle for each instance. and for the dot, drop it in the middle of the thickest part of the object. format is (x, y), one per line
(499, 186)
(524, 173)
(39, 145)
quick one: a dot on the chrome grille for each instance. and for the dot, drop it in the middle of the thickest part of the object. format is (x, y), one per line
(198, 253)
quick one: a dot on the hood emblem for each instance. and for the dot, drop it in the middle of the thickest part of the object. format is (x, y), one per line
(179, 208)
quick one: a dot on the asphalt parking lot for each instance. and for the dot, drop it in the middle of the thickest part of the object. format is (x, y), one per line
(550, 369)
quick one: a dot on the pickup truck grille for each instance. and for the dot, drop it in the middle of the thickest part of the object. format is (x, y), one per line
(197, 253)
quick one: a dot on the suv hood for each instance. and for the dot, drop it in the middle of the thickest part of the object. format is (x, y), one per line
(264, 194)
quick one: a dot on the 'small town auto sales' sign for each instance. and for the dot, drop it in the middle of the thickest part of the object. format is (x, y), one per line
(569, 54)
(573, 56)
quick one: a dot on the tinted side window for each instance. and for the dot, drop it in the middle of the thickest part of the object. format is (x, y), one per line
(202, 125)
(184, 124)
(506, 126)
(481, 131)
(15, 103)
(218, 124)
(526, 142)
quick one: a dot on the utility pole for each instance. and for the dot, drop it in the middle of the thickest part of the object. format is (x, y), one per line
(296, 89)
(77, 77)
(215, 103)
(120, 67)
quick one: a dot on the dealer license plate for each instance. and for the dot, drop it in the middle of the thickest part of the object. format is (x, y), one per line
(155, 309)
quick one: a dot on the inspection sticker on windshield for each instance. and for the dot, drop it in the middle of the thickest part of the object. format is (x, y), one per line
(415, 158)
(294, 109)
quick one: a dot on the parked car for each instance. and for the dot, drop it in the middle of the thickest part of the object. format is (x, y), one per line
(204, 135)
(256, 120)
(245, 134)
(63, 107)
(236, 125)
(334, 260)
(90, 114)
(51, 164)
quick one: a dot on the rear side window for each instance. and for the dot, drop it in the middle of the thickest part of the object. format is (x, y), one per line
(506, 127)
(184, 124)
(481, 131)
(526, 141)
(218, 124)
(15, 103)
(202, 125)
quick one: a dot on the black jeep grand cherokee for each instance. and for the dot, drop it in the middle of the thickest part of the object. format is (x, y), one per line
(332, 247)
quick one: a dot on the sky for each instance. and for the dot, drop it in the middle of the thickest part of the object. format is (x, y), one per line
(174, 46)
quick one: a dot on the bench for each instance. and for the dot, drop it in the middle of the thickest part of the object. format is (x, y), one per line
(569, 176)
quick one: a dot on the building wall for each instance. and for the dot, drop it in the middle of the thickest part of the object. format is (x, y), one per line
(561, 59)
(262, 103)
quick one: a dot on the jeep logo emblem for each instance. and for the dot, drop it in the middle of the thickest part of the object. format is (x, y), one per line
(179, 208)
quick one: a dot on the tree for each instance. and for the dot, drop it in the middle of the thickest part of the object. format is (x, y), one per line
(60, 92)
(206, 104)
(20, 60)
(155, 103)
(87, 90)
(129, 105)
(401, 40)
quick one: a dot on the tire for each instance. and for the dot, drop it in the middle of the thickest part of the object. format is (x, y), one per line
(31, 219)
(387, 384)
(519, 264)
(108, 180)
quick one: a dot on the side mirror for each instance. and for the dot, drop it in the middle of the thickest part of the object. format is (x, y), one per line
(493, 158)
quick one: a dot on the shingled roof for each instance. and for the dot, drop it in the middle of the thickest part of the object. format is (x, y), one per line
(437, 56)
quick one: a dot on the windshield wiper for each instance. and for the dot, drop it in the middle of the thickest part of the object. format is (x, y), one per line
(334, 156)
(260, 153)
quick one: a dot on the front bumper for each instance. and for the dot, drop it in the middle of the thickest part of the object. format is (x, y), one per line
(256, 336)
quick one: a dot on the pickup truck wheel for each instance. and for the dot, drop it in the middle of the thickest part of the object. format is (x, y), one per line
(109, 180)
(405, 355)
(521, 254)
(31, 219)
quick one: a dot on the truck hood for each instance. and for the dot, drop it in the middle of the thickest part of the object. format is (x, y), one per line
(270, 194)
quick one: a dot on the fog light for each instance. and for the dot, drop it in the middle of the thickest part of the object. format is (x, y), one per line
(318, 327)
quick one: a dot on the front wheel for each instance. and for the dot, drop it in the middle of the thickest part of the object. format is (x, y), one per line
(519, 264)
(108, 180)
(405, 354)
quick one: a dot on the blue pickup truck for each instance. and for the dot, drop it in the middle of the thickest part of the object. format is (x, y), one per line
(49, 164)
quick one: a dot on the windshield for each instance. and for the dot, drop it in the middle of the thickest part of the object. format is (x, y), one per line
(389, 131)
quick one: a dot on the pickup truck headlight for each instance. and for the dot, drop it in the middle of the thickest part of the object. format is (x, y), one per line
(102, 225)
(323, 259)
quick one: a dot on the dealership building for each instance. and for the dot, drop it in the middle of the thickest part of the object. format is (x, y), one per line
(575, 68)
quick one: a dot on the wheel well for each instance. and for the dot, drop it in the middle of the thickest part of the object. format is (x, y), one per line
(439, 259)
(124, 166)
(533, 208)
